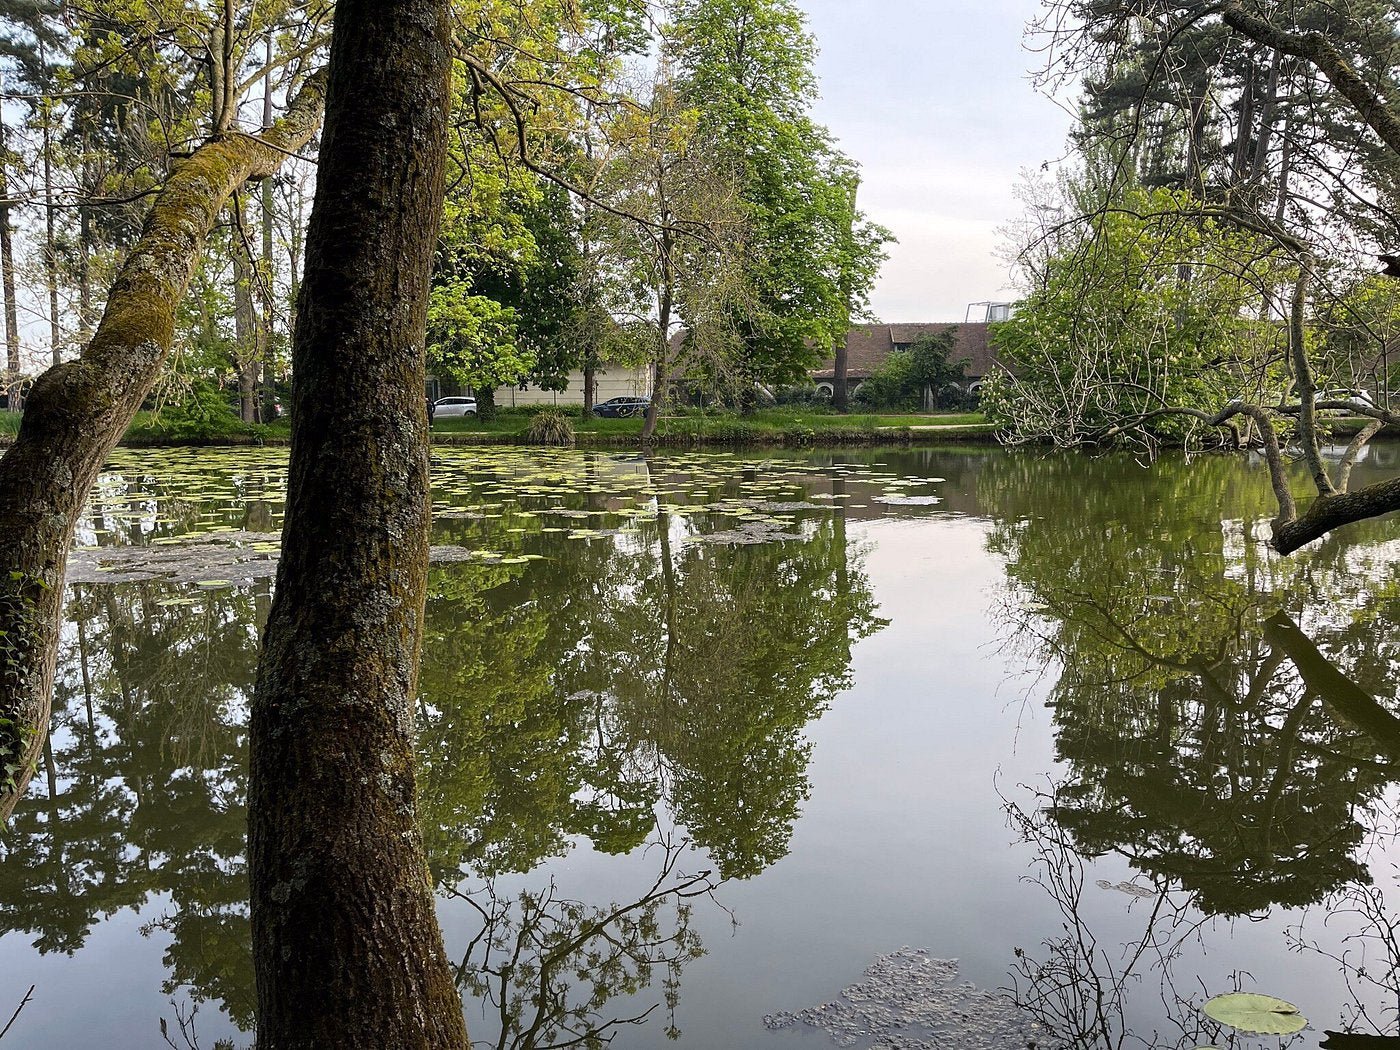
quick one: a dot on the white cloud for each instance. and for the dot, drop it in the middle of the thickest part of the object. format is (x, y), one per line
(932, 98)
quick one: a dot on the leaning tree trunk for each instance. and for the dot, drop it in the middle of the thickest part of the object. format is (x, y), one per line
(346, 945)
(78, 411)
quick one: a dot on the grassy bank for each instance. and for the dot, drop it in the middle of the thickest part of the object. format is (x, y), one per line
(777, 426)
(772, 426)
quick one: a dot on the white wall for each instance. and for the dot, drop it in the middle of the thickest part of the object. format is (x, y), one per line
(617, 382)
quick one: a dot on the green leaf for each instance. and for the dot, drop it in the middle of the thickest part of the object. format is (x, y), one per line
(1258, 1014)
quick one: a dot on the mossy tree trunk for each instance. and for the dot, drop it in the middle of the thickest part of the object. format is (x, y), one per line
(346, 945)
(77, 411)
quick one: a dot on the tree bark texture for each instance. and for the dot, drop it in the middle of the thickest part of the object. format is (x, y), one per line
(840, 389)
(78, 410)
(1332, 512)
(346, 946)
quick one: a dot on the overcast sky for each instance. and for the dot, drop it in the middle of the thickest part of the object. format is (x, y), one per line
(933, 99)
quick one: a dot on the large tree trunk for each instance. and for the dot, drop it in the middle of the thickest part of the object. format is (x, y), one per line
(346, 945)
(840, 385)
(78, 411)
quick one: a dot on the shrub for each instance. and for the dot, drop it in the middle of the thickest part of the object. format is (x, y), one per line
(199, 411)
(549, 426)
(902, 377)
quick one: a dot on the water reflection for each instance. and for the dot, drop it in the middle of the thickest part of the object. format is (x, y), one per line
(576, 686)
(548, 967)
(597, 664)
(1195, 746)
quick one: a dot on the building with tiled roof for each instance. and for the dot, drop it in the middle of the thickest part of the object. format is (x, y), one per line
(867, 346)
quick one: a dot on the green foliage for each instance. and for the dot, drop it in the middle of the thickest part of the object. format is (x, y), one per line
(472, 339)
(1357, 328)
(1146, 310)
(550, 426)
(198, 411)
(902, 378)
(811, 257)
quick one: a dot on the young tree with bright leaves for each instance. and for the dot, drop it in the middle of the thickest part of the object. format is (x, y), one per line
(674, 242)
(745, 67)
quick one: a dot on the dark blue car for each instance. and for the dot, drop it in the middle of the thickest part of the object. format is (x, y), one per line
(616, 407)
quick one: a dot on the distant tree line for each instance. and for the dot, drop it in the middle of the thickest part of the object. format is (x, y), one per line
(705, 197)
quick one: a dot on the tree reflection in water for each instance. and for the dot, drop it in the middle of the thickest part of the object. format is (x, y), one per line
(1237, 760)
(1194, 746)
(618, 682)
(548, 966)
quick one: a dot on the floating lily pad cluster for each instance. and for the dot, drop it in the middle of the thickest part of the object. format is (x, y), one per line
(208, 519)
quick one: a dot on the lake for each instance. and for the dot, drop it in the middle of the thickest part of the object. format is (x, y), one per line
(893, 748)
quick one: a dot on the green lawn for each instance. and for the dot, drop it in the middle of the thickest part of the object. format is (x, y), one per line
(784, 425)
(776, 424)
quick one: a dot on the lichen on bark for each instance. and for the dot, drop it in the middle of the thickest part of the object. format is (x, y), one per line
(78, 410)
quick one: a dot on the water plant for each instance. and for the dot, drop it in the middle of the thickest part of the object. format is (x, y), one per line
(1255, 1013)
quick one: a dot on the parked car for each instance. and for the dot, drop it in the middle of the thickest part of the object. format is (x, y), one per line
(1360, 397)
(622, 406)
(454, 406)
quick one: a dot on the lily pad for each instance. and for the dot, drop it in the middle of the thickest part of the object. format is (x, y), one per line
(1258, 1014)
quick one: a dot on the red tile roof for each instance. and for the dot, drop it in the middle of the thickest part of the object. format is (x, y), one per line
(867, 346)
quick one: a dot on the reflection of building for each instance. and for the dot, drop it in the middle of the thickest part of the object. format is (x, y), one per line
(867, 346)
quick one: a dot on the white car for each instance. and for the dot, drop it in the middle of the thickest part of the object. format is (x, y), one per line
(1358, 397)
(454, 406)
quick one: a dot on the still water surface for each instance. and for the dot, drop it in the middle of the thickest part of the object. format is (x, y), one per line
(720, 733)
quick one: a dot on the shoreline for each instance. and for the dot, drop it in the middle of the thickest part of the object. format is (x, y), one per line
(738, 436)
(969, 433)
